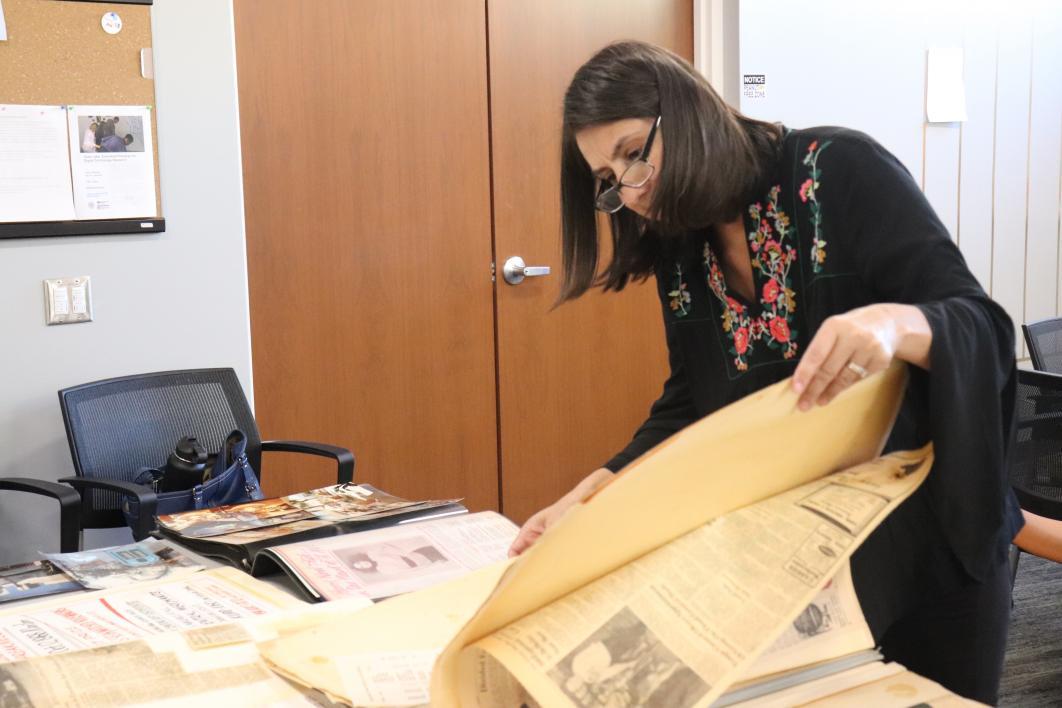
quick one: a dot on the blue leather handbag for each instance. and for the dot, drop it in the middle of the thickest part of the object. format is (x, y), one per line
(235, 484)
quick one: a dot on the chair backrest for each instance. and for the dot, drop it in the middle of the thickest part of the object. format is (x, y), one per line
(1045, 344)
(117, 426)
(1035, 462)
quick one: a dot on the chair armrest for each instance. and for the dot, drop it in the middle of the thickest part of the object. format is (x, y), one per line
(69, 506)
(344, 458)
(145, 498)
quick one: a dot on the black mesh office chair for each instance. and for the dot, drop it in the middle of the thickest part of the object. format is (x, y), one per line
(117, 426)
(1035, 465)
(1035, 460)
(1045, 344)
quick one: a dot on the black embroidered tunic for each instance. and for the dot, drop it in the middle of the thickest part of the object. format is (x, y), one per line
(844, 225)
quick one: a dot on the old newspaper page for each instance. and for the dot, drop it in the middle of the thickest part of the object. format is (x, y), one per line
(134, 674)
(832, 625)
(75, 622)
(204, 663)
(343, 657)
(398, 559)
(715, 466)
(679, 625)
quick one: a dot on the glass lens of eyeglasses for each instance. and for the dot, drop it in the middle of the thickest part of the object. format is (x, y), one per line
(637, 174)
(609, 201)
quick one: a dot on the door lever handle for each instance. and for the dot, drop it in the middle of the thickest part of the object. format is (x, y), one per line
(514, 271)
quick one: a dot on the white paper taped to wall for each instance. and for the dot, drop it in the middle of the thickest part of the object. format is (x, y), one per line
(945, 89)
(3, 23)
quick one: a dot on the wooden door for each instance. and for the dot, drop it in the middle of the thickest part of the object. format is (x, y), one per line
(366, 176)
(575, 382)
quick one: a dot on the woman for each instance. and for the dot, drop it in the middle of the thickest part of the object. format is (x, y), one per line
(812, 254)
(88, 139)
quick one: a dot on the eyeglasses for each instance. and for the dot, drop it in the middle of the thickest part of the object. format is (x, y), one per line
(636, 175)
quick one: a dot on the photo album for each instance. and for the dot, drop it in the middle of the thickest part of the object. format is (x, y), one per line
(236, 533)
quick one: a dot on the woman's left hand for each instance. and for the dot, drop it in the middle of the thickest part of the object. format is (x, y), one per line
(852, 346)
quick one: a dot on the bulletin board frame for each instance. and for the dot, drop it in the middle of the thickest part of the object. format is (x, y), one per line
(58, 54)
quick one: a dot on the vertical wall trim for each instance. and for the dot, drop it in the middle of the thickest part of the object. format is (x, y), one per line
(925, 115)
(1028, 184)
(958, 176)
(958, 191)
(248, 385)
(995, 118)
(1058, 271)
(703, 44)
(729, 37)
(715, 46)
(924, 129)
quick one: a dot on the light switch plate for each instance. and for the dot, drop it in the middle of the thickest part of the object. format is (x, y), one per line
(68, 300)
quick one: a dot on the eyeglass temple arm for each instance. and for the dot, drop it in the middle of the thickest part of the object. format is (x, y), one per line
(649, 139)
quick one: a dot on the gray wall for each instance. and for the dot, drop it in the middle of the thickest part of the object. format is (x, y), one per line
(163, 301)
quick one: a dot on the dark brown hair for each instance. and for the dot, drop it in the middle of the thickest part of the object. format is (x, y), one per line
(717, 161)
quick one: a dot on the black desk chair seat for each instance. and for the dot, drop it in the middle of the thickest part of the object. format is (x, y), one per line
(117, 426)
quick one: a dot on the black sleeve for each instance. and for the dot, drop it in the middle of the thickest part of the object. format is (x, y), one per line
(887, 232)
(672, 412)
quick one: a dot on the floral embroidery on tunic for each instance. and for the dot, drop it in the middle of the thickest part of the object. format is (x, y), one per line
(772, 258)
(680, 296)
(807, 195)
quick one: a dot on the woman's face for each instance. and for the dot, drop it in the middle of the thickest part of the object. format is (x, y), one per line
(610, 147)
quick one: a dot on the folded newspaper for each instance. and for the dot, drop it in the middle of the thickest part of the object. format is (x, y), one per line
(114, 566)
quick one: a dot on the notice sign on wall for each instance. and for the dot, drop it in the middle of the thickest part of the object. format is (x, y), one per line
(754, 85)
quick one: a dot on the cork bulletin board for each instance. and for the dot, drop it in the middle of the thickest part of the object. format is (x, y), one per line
(58, 54)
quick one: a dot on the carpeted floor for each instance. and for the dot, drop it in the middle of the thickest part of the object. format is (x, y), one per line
(1032, 669)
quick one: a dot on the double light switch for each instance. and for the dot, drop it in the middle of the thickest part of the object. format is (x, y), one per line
(68, 300)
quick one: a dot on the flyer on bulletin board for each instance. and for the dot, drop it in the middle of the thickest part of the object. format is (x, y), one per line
(34, 164)
(112, 162)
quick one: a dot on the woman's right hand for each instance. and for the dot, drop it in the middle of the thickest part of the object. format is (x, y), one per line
(543, 519)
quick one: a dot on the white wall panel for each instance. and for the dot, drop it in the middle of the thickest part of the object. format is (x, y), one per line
(941, 172)
(1045, 155)
(977, 153)
(940, 164)
(1012, 162)
(835, 62)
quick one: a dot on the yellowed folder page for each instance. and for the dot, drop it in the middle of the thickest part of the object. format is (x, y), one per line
(750, 450)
